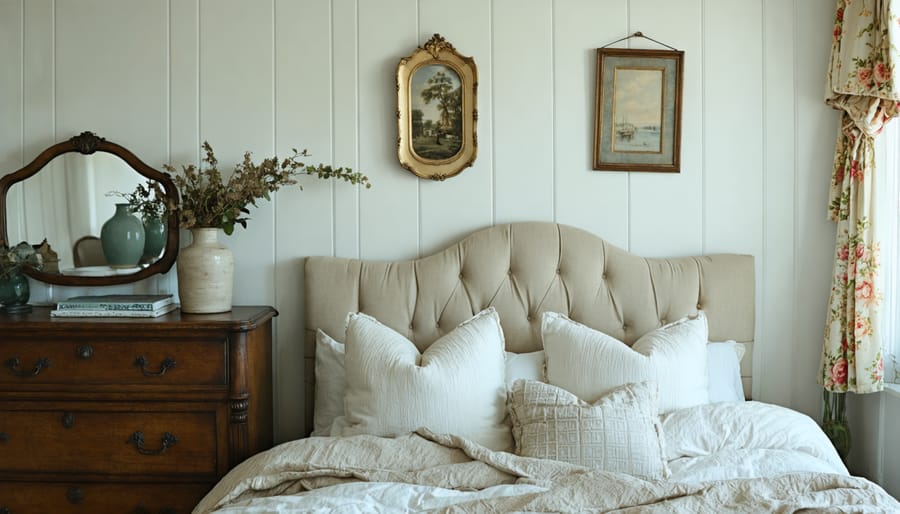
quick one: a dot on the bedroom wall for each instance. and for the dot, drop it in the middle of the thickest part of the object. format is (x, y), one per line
(161, 76)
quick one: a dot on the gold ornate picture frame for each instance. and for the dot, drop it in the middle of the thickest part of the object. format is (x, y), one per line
(637, 123)
(437, 110)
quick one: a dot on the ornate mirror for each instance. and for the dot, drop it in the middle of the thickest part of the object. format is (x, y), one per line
(64, 198)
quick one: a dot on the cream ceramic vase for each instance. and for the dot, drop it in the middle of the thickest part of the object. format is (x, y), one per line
(205, 273)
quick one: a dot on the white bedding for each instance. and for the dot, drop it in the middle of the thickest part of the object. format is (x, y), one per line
(749, 457)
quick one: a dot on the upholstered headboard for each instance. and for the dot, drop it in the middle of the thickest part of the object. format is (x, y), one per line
(524, 269)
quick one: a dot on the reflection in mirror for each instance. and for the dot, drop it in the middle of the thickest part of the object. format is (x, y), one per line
(63, 196)
(70, 200)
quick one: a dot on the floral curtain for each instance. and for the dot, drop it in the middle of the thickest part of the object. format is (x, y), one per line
(861, 84)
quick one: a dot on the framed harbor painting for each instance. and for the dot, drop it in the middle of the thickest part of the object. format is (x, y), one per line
(436, 110)
(637, 123)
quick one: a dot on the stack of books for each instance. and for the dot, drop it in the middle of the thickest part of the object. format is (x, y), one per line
(115, 306)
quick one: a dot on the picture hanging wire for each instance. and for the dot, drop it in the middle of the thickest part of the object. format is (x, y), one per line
(640, 34)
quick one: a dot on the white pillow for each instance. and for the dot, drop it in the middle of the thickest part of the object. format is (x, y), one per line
(589, 363)
(329, 383)
(618, 432)
(526, 366)
(457, 386)
(724, 367)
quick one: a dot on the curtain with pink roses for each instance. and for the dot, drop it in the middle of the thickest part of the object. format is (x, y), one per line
(862, 85)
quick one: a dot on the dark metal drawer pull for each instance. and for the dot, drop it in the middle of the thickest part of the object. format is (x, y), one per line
(85, 352)
(4, 510)
(74, 495)
(13, 364)
(3, 438)
(167, 440)
(68, 419)
(167, 363)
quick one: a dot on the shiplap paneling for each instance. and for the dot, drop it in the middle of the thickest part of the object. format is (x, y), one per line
(523, 114)
(237, 114)
(592, 200)
(12, 44)
(345, 130)
(389, 214)
(466, 24)
(733, 168)
(303, 219)
(816, 129)
(267, 75)
(775, 320)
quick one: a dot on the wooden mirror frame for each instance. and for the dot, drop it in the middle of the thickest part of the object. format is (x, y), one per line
(88, 143)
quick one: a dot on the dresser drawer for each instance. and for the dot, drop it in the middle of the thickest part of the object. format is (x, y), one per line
(168, 439)
(196, 362)
(42, 498)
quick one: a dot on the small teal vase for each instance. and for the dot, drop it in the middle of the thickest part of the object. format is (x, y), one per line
(14, 293)
(122, 238)
(155, 232)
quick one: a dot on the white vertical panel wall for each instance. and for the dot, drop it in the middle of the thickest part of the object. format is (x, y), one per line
(162, 76)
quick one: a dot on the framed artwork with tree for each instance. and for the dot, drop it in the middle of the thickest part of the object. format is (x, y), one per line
(437, 110)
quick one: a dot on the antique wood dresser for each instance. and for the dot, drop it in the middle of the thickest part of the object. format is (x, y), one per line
(129, 415)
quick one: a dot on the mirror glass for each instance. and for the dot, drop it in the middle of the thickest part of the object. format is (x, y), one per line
(71, 198)
(67, 195)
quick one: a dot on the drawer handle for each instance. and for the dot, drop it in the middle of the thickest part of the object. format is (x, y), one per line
(167, 363)
(4, 510)
(74, 495)
(3, 438)
(68, 419)
(167, 440)
(41, 364)
(85, 352)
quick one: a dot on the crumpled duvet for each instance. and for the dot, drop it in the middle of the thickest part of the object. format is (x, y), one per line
(791, 467)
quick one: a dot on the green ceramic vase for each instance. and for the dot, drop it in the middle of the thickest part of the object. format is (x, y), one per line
(155, 233)
(14, 292)
(122, 238)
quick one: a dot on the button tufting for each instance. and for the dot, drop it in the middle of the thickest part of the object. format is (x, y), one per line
(624, 326)
(662, 321)
(460, 276)
(509, 272)
(699, 306)
(410, 326)
(528, 317)
(604, 276)
(558, 271)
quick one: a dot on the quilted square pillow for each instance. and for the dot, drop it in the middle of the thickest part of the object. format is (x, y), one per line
(590, 363)
(457, 386)
(619, 432)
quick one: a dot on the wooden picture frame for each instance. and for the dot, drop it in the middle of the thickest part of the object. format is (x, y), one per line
(437, 110)
(637, 122)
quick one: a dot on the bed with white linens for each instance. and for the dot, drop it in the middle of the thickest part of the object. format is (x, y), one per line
(533, 367)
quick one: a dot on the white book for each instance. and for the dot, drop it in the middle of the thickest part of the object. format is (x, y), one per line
(78, 313)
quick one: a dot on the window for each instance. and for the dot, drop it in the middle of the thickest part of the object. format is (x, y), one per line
(887, 212)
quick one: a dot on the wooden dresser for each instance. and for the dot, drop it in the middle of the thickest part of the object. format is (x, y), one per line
(128, 415)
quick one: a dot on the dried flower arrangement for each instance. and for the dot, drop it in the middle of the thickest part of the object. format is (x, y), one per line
(207, 200)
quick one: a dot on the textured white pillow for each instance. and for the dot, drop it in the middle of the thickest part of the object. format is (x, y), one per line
(589, 363)
(457, 386)
(329, 383)
(724, 367)
(619, 432)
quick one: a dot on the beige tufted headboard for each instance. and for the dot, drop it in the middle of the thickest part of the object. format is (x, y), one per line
(524, 269)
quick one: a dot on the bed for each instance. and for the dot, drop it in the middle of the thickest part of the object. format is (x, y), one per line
(535, 367)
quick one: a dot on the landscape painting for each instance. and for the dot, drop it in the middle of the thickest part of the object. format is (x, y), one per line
(637, 121)
(436, 112)
(637, 110)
